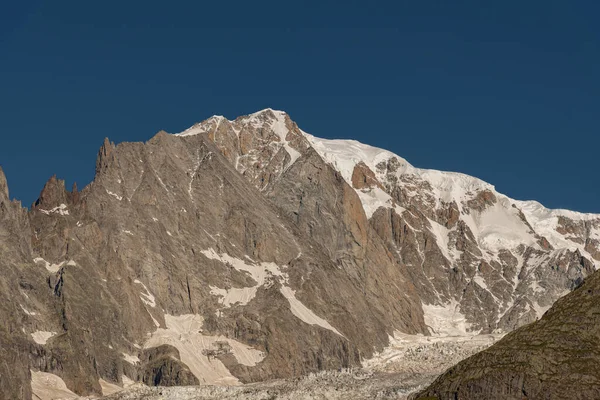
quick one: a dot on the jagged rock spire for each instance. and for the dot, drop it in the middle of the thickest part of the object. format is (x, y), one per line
(4, 195)
(53, 194)
(75, 195)
(104, 155)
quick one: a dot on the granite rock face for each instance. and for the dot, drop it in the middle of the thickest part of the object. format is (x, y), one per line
(15, 249)
(240, 251)
(479, 261)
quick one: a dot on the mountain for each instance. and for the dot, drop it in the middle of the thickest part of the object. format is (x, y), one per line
(240, 251)
(554, 358)
(486, 260)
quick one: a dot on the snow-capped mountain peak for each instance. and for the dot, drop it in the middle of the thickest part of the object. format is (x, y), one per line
(309, 252)
(471, 225)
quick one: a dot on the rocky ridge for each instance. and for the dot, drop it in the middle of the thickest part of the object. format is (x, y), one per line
(245, 250)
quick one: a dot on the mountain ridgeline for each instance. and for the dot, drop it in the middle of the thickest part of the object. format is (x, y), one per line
(246, 250)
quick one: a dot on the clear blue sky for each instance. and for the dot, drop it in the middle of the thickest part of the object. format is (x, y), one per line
(508, 92)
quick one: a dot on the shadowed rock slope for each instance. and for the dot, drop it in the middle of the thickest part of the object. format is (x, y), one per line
(556, 357)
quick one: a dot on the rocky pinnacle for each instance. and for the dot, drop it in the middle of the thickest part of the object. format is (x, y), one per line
(3, 186)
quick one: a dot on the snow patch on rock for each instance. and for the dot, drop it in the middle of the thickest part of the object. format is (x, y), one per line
(53, 268)
(280, 129)
(41, 337)
(440, 233)
(60, 210)
(116, 196)
(184, 332)
(446, 319)
(147, 297)
(374, 198)
(47, 386)
(499, 227)
(202, 127)
(109, 388)
(304, 313)
(131, 359)
(478, 279)
(30, 313)
(261, 272)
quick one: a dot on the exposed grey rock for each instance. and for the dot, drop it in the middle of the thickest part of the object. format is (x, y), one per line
(492, 284)
(161, 366)
(3, 186)
(274, 242)
(15, 280)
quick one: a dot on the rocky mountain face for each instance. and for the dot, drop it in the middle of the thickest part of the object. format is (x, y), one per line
(479, 260)
(245, 250)
(553, 358)
(15, 263)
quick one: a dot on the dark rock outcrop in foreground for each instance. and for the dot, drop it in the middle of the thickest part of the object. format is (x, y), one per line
(162, 366)
(557, 357)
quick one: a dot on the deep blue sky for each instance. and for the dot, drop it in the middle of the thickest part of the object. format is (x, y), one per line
(508, 92)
